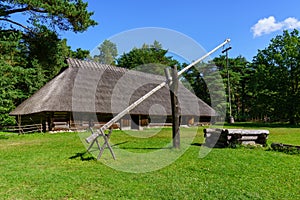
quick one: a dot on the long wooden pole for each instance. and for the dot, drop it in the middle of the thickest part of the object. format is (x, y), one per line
(136, 103)
(230, 117)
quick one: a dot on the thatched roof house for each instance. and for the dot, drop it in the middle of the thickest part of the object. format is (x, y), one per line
(86, 89)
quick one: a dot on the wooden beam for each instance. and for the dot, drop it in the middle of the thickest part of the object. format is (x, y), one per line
(19, 124)
(175, 108)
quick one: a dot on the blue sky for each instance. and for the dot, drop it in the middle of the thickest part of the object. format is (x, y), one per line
(249, 24)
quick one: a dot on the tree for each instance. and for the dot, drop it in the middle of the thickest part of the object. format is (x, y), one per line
(47, 49)
(80, 54)
(40, 40)
(108, 53)
(10, 50)
(32, 53)
(66, 15)
(16, 84)
(149, 58)
(37, 37)
(277, 75)
(208, 86)
(194, 78)
(239, 73)
(8, 93)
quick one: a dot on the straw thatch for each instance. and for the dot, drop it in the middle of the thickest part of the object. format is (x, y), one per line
(91, 87)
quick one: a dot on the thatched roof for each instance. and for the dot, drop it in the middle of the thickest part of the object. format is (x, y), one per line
(92, 87)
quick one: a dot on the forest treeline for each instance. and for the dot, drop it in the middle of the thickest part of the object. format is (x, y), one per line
(31, 54)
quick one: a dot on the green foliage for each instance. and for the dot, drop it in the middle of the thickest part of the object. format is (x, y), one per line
(48, 50)
(31, 53)
(149, 58)
(10, 49)
(194, 76)
(8, 94)
(238, 72)
(209, 81)
(60, 14)
(27, 63)
(207, 84)
(80, 54)
(108, 53)
(16, 84)
(276, 79)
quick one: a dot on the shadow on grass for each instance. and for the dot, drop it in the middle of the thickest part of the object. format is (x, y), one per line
(257, 125)
(3, 137)
(147, 148)
(119, 144)
(142, 148)
(157, 148)
(84, 156)
(197, 144)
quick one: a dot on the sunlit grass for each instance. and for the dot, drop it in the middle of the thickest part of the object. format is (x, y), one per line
(55, 166)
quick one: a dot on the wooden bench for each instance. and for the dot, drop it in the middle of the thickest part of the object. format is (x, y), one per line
(231, 137)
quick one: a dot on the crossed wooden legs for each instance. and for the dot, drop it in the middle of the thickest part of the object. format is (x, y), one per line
(106, 143)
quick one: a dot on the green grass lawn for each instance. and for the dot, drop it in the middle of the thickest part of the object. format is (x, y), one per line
(53, 166)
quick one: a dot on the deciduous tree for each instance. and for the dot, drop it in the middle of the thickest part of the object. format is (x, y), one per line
(277, 75)
(238, 72)
(149, 58)
(107, 53)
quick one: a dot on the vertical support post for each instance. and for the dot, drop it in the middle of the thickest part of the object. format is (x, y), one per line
(43, 122)
(19, 124)
(175, 108)
(50, 121)
(230, 119)
(71, 121)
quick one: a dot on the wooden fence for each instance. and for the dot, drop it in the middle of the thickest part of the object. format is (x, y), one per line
(25, 128)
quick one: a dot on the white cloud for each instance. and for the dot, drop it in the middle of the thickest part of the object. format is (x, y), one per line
(291, 23)
(265, 26)
(269, 25)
